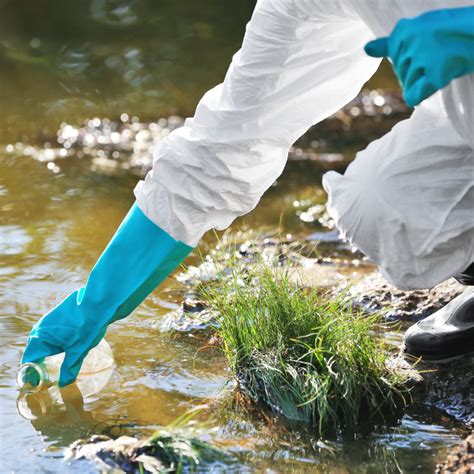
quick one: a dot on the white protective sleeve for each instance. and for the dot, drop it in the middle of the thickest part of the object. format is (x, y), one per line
(406, 201)
(296, 67)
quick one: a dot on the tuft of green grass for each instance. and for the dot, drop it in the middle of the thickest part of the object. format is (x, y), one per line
(303, 353)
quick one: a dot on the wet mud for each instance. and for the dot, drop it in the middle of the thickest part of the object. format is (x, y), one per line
(449, 388)
(374, 293)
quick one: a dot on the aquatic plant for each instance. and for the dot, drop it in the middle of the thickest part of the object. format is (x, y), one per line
(305, 354)
(180, 447)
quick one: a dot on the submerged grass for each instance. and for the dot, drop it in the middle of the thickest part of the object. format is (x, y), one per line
(307, 355)
(179, 446)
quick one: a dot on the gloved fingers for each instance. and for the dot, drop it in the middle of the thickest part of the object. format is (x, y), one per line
(414, 74)
(38, 349)
(420, 90)
(402, 68)
(397, 49)
(70, 367)
(377, 48)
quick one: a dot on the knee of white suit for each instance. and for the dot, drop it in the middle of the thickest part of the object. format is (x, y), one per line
(407, 201)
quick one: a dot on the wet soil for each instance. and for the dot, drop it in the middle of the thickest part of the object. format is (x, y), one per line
(449, 388)
(374, 293)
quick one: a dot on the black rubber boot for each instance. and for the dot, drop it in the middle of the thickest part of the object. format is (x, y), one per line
(467, 276)
(445, 334)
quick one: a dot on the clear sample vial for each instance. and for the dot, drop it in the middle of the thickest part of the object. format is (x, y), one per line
(33, 377)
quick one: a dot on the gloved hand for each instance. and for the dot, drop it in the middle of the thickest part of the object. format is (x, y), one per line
(429, 51)
(137, 259)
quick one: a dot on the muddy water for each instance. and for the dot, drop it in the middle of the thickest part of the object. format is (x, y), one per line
(104, 58)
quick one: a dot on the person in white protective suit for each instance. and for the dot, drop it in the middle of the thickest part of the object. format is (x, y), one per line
(407, 200)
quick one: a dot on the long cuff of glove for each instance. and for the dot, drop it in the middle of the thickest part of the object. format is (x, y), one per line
(137, 259)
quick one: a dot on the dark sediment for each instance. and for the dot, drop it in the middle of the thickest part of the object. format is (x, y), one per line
(449, 387)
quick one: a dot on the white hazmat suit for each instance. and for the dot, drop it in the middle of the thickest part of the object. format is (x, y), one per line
(407, 200)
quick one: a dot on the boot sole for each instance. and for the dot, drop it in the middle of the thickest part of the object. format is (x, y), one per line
(439, 357)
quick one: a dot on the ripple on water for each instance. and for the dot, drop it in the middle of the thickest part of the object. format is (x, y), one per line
(13, 240)
(173, 380)
(415, 435)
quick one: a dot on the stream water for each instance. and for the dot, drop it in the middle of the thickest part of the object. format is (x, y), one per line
(76, 60)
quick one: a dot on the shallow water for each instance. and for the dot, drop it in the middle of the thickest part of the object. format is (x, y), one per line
(52, 230)
(104, 58)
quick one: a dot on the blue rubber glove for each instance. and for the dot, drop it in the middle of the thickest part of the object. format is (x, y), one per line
(429, 51)
(137, 259)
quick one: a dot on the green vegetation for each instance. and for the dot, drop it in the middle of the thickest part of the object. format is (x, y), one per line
(179, 448)
(304, 354)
